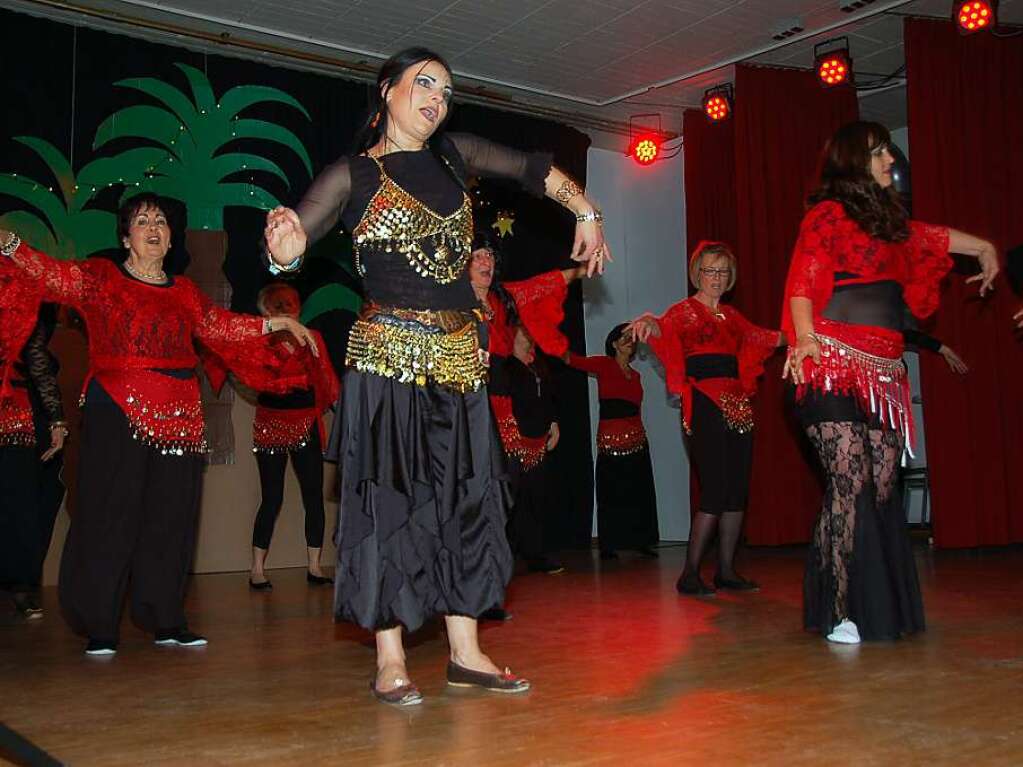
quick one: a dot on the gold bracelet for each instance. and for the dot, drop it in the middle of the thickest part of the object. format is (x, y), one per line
(567, 191)
(11, 245)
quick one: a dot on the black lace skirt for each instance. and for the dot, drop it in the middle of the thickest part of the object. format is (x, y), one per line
(424, 499)
(860, 545)
(626, 501)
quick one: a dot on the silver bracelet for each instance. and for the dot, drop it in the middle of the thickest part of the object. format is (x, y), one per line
(11, 246)
(593, 215)
(276, 268)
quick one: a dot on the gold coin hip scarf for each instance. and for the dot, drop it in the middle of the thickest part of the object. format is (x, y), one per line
(396, 221)
(418, 347)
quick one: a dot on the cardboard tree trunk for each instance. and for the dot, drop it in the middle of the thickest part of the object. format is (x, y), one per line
(207, 250)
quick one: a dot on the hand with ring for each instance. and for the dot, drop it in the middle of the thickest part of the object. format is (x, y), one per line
(806, 346)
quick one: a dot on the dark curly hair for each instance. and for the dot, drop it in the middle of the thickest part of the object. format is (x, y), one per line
(612, 338)
(140, 202)
(846, 179)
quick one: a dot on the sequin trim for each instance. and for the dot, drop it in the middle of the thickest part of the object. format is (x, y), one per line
(621, 436)
(16, 426)
(738, 412)
(396, 220)
(173, 428)
(418, 346)
(281, 431)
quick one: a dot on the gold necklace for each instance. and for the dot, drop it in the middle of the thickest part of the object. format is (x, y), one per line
(160, 276)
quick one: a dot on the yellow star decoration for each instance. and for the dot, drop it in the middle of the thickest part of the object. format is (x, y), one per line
(503, 224)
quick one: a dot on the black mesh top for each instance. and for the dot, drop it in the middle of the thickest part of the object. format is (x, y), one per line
(341, 193)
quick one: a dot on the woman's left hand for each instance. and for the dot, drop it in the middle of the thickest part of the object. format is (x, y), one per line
(301, 333)
(989, 268)
(590, 246)
(955, 362)
(553, 435)
(57, 436)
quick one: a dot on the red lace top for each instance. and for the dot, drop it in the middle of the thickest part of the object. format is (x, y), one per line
(620, 430)
(690, 328)
(540, 304)
(136, 329)
(830, 242)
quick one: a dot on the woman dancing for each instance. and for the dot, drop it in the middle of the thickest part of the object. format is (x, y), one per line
(422, 479)
(141, 468)
(857, 259)
(290, 426)
(713, 356)
(624, 478)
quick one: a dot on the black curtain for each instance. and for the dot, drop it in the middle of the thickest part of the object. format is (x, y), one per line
(64, 89)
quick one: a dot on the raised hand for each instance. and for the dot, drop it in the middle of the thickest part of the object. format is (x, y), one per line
(285, 236)
(806, 346)
(989, 268)
(301, 333)
(590, 246)
(643, 327)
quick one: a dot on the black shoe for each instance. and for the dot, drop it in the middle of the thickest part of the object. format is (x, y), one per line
(27, 607)
(606, 554)
(738, 583)
(318, 580)
(180, 638)
(647, 552)
(693, 585)
(546, 566)
(100, 647)
(261, 586)
(495, 614)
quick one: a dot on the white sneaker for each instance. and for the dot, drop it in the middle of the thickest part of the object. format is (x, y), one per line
(845, 633)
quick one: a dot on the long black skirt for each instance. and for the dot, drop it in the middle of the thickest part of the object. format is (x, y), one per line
(722, 456)
(860, 540)
(424, 499)
(626, 501)
(19, 515)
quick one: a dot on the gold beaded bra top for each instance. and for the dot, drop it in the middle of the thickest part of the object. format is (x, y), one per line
(396, 221)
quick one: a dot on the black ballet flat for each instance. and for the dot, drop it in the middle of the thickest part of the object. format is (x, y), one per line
(405, 694)
(693, 586)
(317, 580)
(506, 682)
(648, 552)
(738, 583)
(263, 586)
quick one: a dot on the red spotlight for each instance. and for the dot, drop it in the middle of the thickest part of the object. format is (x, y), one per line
(646, 148)
(718, 102)
(833, 67)
(975, 15)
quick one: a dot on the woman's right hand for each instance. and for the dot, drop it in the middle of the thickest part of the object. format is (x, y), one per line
(806, 346)
(643, 327)
(285, 236)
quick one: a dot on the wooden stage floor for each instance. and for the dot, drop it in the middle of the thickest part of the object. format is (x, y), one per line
(624, 672)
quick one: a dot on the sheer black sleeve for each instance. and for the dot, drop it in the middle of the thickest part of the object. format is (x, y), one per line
(921, 340)
(41, 366)
(485, 158)
(320, 208)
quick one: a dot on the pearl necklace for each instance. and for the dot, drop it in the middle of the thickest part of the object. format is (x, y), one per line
(160, 276)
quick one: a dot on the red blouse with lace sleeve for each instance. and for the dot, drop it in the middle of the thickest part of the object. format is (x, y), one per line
(611, 380)
(830, 242)
(136, 329)
(690, 328)
(540, 303)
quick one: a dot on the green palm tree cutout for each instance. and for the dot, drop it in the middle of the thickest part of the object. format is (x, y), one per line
(192, 134)
(67, 229)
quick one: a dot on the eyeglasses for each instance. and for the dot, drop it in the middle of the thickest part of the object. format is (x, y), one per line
(715, 272)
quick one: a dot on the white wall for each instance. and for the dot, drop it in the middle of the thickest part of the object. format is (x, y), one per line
(644, 211)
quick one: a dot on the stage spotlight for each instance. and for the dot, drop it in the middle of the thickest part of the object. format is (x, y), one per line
(645, 148)
(975, 15)
(718, 102)
(832, 62)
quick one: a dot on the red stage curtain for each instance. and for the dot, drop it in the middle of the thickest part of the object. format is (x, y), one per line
(965, 118)
(709, 152)
(782, 119)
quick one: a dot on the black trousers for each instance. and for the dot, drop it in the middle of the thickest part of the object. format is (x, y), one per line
(19, 516)
(530, 511)
(134, 530)
(307, 463)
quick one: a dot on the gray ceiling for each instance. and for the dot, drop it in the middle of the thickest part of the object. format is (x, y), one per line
(591, 62)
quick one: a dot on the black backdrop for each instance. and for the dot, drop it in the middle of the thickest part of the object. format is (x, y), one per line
(59, 87)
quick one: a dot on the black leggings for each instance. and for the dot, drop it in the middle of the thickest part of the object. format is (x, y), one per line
(308, 465)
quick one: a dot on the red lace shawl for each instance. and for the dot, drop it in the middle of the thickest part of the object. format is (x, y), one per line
(530, 451)
(134, 328)
(689, 327)
(829, 241)
(540, 304)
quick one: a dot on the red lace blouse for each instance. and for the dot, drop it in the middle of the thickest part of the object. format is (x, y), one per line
(620, 430)
(136, 329)
(691, 328)
(830, 242)
(540, 304)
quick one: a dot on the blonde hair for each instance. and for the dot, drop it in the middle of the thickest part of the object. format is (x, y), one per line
(711, 248)
(269, 290)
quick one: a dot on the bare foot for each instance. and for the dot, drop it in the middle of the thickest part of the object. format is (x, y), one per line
(392, 676)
